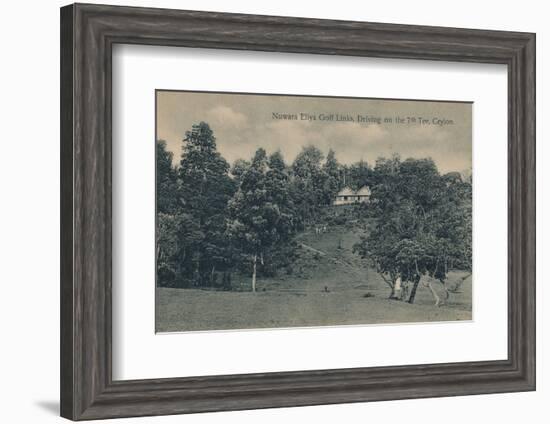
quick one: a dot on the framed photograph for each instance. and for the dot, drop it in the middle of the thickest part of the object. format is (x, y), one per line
(264, 212)
(326, 239)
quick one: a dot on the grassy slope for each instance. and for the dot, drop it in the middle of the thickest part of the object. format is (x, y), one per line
(325, 289)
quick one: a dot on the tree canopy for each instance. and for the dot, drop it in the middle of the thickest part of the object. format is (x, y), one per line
(422, 223)
(214, 219)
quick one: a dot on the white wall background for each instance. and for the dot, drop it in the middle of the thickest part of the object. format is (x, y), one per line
(29, 218)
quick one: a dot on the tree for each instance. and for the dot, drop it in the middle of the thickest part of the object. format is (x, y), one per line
(258, 218)
(238, 169)
(166, 180)
(166, 249)
(277, 181)
(308, 182)
(204, 189)
(422, 222)
(166, 228)
(359, 175)
(332, 171)
(178, 237)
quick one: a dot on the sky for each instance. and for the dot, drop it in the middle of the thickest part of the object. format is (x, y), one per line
(355, 128)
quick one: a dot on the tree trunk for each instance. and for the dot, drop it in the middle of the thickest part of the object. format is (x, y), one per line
(413, 290)
(447, 292)
(197, 276)
(389, 281)
(404, 292)
(434, 293)
(459, 283)
(212, 275)
(396, 290)
(254, 273)
(158, 253)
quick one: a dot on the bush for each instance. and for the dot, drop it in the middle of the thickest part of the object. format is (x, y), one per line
(165, 276)
(278, 258)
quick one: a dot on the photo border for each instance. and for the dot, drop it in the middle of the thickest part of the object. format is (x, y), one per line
(310, 96)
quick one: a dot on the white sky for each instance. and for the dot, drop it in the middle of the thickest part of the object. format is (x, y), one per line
(244, 122)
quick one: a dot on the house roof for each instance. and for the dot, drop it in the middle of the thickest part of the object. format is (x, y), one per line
(363, 191)
(346, 191)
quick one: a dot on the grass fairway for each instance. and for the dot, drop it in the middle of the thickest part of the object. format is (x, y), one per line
(331, 286)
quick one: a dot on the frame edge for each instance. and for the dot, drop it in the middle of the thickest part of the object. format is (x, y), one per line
(67, 389)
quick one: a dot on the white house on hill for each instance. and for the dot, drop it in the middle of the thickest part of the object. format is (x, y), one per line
(347, 196)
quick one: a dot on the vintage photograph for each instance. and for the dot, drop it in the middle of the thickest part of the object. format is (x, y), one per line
(278, 211)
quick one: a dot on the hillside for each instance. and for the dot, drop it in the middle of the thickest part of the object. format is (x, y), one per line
(329, 285)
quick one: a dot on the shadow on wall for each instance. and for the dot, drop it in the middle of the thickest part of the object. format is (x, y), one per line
(51, 406)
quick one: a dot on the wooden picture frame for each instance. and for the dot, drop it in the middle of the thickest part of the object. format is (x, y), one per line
(88, 33)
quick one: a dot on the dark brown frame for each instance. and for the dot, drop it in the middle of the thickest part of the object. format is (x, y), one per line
(88, 33)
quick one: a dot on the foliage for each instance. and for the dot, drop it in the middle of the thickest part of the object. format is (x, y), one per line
(332, 177)
(197, 219)
(238, 169)
(422, 222)
(360, 175)
(259, 213)
(308, 183)
(214, 220)
(178, 240)
(166, 180)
